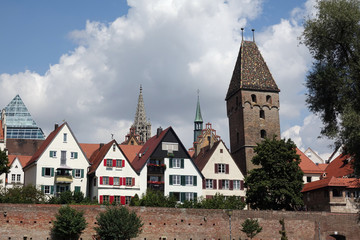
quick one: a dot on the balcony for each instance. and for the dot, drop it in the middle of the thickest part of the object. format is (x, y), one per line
(156, 168)
(63, 179)
(156, 185)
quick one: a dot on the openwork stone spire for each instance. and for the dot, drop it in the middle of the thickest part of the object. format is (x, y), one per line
(141, 125)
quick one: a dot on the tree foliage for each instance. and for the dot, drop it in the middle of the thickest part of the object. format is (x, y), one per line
(278, 182)
(69, 223)
(283, 231)
(332, 37)
(4, 162)
(22, 194)
(251, 227)
(118, 223)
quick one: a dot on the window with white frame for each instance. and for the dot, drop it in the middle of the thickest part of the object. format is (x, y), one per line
(18, 177)
(225, 184)
(176, 162)
(74, 155)
(47, 189)
(65, 137)
(189, 196)
(77, 173)
(176, 180)
(106, 180)
(116, 181)
(189, 180)
(106, 198)
(170, 147)
(109, 163)
(53, 154)
(119, 163)
(47, 172)
(127, 200)
(221, 168)
(209, 183)
(236, 184)
(13, 177)
(128, 181)
(117, 199)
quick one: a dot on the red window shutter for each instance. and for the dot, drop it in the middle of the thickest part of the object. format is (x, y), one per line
(122, 200)
(204, 183)
(216, 168)
(123, 181)
(227, 168)
(101, 180)
(114, 162)
(241, 185)
(105, 162)
(101, 199)
(111, 181)
(231, 185)
(111, 199)
(214, 184)
(123, 163)
(220, 184)
(133, 182)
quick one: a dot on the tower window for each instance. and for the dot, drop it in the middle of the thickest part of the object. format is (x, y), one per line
(262, 114)
(268, 99)
(253, 98)
(263, 133)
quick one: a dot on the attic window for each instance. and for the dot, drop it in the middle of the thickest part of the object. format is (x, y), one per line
(221, 150)
(65, 137)
(170, 147)
(253, 98)
(114, 147)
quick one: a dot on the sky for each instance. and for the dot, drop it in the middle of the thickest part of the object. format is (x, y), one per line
(84, 61)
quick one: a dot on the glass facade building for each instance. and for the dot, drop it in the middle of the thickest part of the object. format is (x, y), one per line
(19, 122)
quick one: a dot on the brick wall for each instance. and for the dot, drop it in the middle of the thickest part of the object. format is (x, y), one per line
(35, 222)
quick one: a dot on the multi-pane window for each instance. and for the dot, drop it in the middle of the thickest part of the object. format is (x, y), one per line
(53, 154)
(189, 196)
(225, 184)
(77, 173)
(221, 168)
(13, 177)
(119, 163)
(47, 189)
(106, 198)
(106, 180)
(176, 179)
(117, 199)
(109, 163)
(65, 137)
(236, 184)
(128, 181)
(18, 177)
(47, 172)
(116, 181)
(127, 200)
(74, 155)
(209, 183)
(176, 162)
(189, 180)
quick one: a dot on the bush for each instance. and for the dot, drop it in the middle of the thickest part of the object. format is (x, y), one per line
(118, 223)
(251, 227)
(69, 224)
(22, 194)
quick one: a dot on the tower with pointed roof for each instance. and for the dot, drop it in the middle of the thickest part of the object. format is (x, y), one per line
(252, 104)
(141, 125)
(19, 123)
(198, 122)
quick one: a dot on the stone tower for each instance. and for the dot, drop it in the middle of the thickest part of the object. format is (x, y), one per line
(198, 122)
(141, 125)
(252, 104)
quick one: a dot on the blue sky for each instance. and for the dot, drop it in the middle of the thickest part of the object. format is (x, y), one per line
(83, 62)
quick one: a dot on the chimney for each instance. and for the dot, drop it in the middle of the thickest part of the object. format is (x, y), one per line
(56, 126)
(101, 145)
(158, 131)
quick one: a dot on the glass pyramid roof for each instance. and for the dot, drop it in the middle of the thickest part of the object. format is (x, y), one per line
(19, 121)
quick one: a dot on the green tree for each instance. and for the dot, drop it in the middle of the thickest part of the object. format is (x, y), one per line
(4, 162)
(278, 182)
(219, 201)
(251, 227)
(283, 231)
(332, 37)
(22, 194)
(69, 223)
(118, 223)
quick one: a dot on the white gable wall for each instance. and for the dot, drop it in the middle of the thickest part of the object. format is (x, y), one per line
(16, 174)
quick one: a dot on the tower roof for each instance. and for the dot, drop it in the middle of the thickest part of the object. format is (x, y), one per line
(198, 117)
(141, 125)
(251, 71)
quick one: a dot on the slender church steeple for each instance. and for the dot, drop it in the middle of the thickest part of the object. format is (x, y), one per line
(198, 123)
(141, 125)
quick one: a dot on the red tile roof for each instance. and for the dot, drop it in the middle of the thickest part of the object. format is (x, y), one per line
(306, 165)
(340, 166)
(130, 151)
(204, 155)
(23, 159)
(45, 144)
(332, 182)
(89, 148)
(323, 166)
(147, 149)
(98, 155)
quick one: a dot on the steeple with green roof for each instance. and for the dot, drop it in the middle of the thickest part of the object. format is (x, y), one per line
(198, 123)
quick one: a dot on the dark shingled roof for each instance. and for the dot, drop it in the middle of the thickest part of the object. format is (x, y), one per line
(205, 154)
(251, 71)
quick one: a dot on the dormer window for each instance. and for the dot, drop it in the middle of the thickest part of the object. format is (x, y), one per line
(253, 98)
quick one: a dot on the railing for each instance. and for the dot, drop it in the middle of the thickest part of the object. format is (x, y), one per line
(156, 168)
(63, 179)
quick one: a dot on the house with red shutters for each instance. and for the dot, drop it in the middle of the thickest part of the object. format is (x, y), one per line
(112, 178)
(221, 173)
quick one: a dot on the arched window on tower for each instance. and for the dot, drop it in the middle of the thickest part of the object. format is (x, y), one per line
(263, 133)
(268, 99)
(253, 98)
(262, 114)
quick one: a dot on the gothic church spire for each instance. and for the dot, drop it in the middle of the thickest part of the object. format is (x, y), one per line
(141, 125)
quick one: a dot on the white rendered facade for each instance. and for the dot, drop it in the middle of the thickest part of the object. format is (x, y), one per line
(61, 166)
(15, 177)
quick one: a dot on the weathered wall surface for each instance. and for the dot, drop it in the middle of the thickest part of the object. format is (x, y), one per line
(35, 221)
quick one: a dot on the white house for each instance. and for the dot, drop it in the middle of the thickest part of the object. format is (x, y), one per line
(164, 164)
(59, 164)
(221, 174)
(15, 177)
(111, 176)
